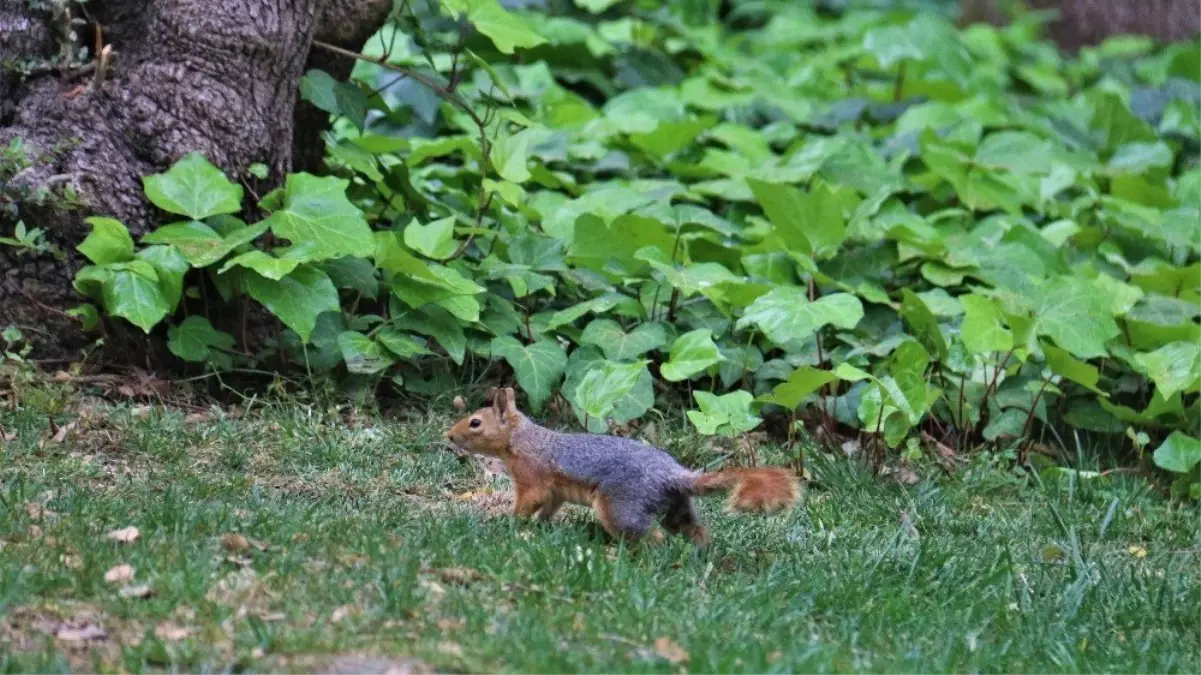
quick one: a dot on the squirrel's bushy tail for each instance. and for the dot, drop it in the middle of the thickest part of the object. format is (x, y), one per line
(762, 490)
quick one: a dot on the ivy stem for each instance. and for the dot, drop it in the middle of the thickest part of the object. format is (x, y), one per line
(1029, 420)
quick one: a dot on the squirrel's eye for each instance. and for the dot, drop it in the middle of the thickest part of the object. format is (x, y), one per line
(475, 424)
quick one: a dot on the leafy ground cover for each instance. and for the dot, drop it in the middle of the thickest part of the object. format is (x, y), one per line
(299, 536)
(870, 219)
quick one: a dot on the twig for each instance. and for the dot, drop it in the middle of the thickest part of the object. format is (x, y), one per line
(450, 96)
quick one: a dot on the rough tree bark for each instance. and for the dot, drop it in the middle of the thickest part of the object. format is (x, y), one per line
(219, 77)
(1088, 22)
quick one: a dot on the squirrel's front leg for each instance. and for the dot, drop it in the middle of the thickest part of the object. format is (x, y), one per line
(528, 501)
(550, 507)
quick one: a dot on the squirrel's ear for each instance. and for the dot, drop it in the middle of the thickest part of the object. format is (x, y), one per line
(498, 400)
(510, 403)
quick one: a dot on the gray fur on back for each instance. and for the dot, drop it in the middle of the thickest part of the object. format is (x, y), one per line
(619, 467)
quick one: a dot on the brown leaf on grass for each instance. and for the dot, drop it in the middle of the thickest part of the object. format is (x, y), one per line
(119, 574)
(458, 575)
(82, 633)
(907, 476)
(62, 432)
(234, 542)
(170, 632)
(670, 650)
(125, 535)
(459, 403)
(450, 648)
(343, 612)
(36, 511)
(71, 561)
(6, 435)
(139, 591)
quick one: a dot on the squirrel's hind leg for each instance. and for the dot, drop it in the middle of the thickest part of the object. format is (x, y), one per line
(681, 518)
(622, 519)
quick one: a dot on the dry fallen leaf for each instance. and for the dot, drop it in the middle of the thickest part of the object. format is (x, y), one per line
(119, 574)
(342, 612)
(62, 432)
(668, 649)
(71, 561)
(459, 403)
(82, 633)
(450, 648)
(1137, 551)
(458, 575)
(907, 476)
(234, 542)
(125, 535)
(139, 591)
(170, 632)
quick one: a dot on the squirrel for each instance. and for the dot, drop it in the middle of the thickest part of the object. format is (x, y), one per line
(627, 483)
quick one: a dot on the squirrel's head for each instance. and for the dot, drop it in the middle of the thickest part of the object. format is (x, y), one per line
(486, 431)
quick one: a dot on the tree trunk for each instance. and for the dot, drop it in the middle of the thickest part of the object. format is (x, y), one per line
(219, 77)
(1083, 23)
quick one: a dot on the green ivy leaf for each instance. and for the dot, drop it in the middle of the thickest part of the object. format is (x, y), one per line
(537, 367)
(630, 407)
(786, 316)
(334, 97)
(194, 188)
(1017, 151)
(297, 299)
(1178, 454)
(439, 324)
(108, 242)
(810, 223)
(926, 37)
(1075, 313)
(619, 345)
(982, 331)
(265, 264)
(1173, 367)
(201, 244)
(362, 354)
(800, 383)
(597, 305)
(318, 218)
(194, 338)
(132, 293)
(691, 354)
(506, 30)
(89, 317)
(605, 384)
(509, 154)
(434, 240)
(170, 266)
(922, 322)
(400, 345)
(728, 415)
(1061, 363)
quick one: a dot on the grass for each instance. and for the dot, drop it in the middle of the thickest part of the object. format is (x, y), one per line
(367, 539)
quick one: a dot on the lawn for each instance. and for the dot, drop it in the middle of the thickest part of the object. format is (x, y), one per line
(299, 537)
